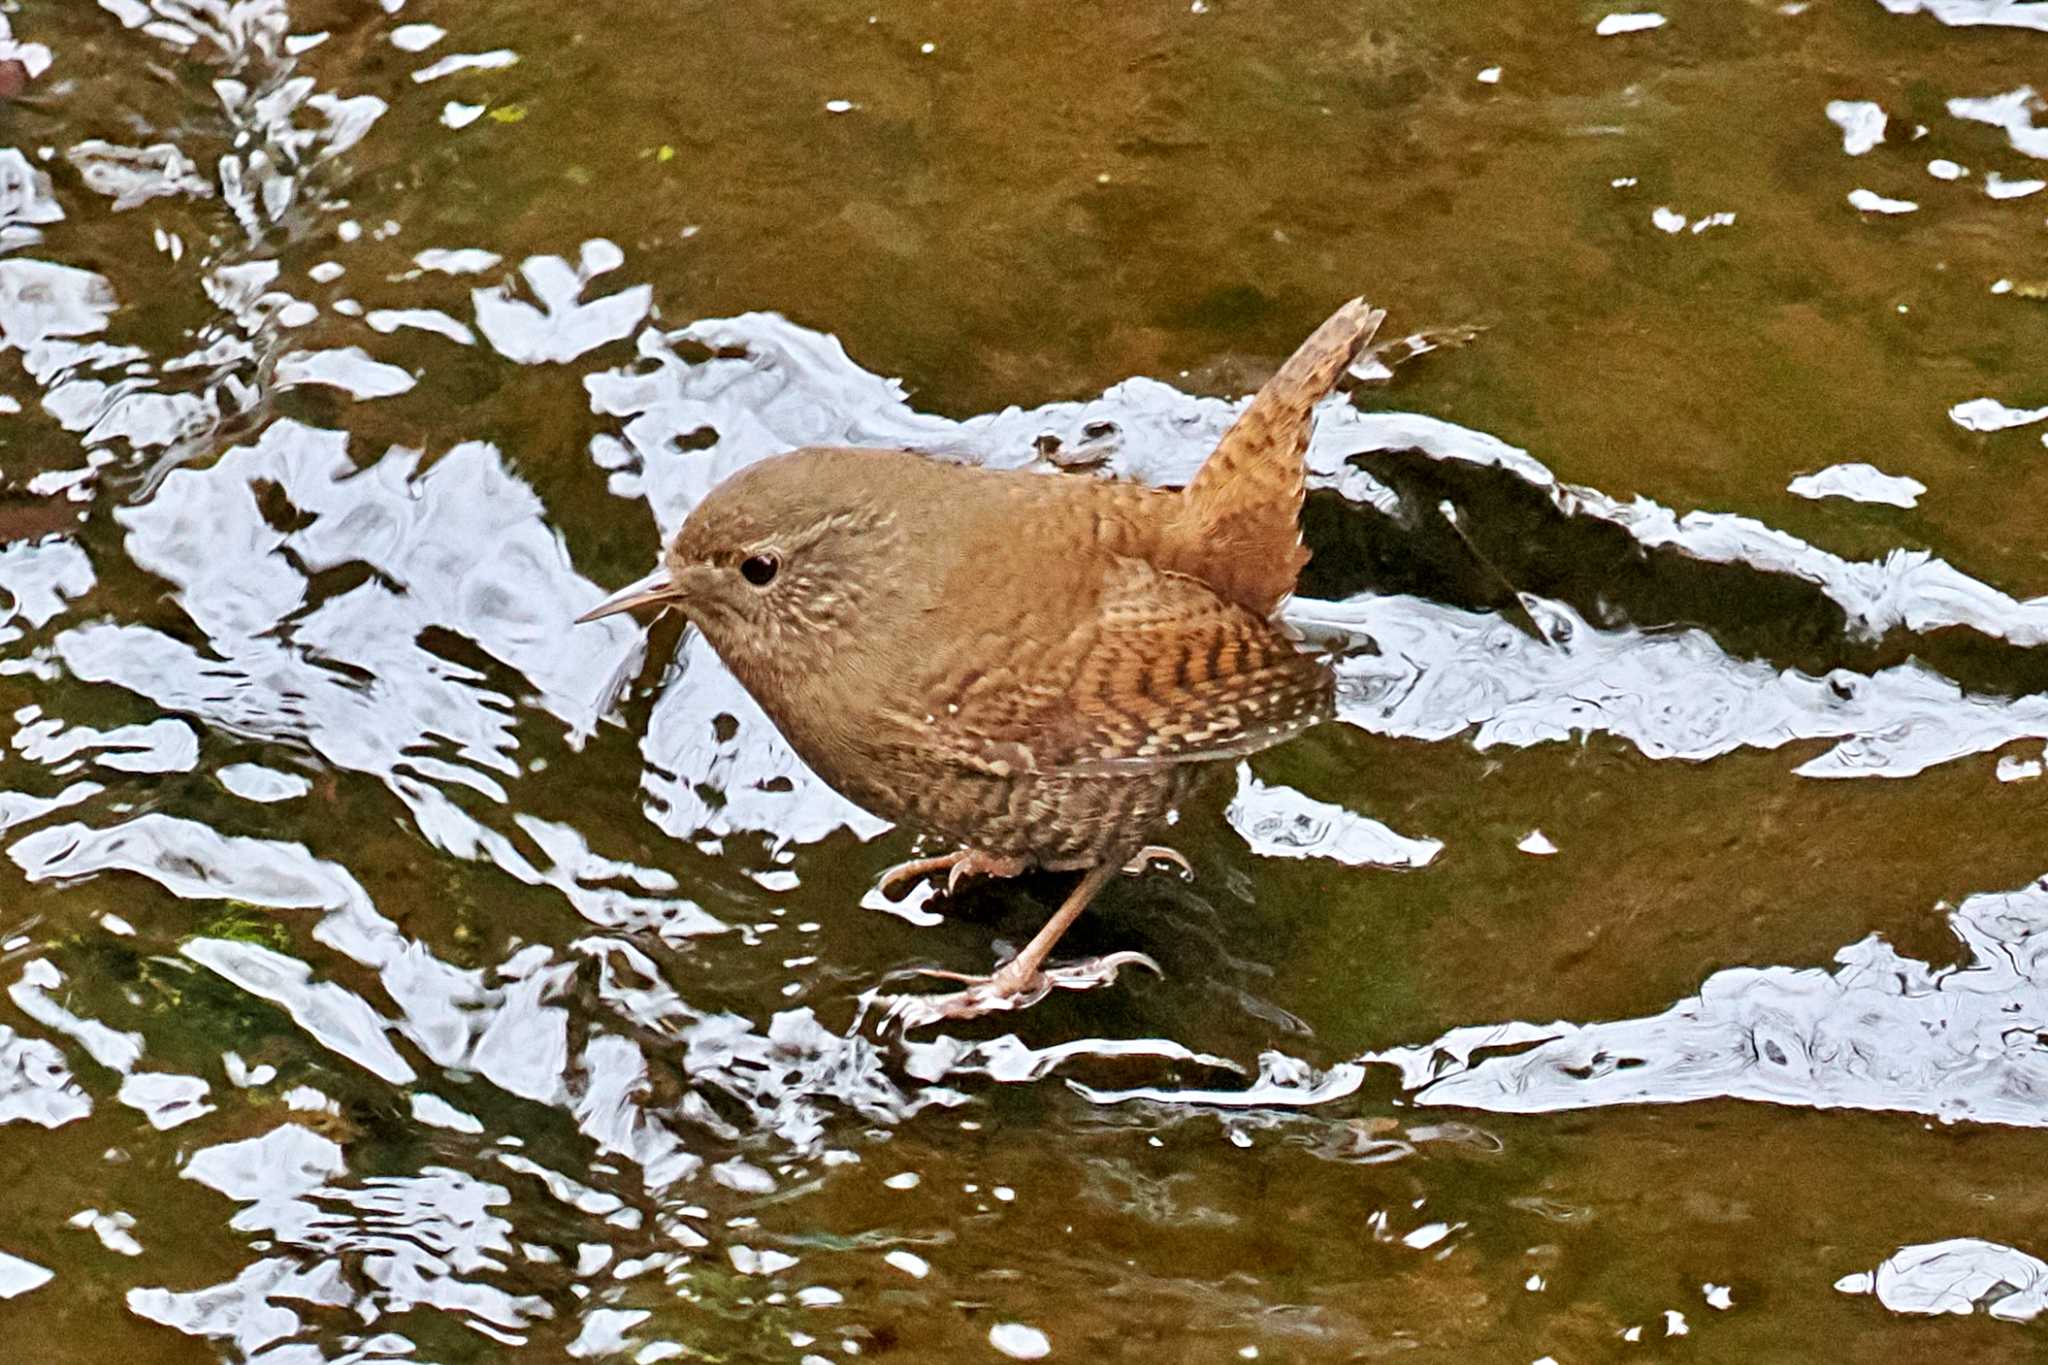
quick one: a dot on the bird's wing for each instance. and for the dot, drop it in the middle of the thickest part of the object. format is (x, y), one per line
(1240, 524)
(1163, 671)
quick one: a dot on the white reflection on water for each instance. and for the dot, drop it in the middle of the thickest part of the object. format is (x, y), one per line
(35, 1084)
(115, 1049)
(1960, 1275)
(414, 1240)
(162, 746)
(254, 782)
(1280, 822)
(2012, 111)
(1970, 13)
(18, 1275)
(165, 1098)
(1880, 1031)
(562, 327)
(1859, 482)
(37, 578)
(1861, 121)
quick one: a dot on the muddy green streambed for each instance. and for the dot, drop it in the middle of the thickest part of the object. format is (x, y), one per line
(1645, 966)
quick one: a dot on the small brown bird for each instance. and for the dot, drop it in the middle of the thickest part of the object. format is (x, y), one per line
(1039, 668)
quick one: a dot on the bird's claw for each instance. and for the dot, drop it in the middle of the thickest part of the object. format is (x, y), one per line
(1152, 853)
(958, 873)
(897, 881)
(1001, 991)
(958, 867)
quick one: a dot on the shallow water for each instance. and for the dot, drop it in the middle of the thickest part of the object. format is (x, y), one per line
(1648, 953)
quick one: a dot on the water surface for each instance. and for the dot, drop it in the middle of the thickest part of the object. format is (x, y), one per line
(1643, 965)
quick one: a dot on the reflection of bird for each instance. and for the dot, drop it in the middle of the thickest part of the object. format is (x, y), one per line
(1039, 668)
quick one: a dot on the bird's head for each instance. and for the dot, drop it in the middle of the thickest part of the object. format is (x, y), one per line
(778, 564)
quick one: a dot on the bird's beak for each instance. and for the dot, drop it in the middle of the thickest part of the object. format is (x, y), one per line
(654, 589)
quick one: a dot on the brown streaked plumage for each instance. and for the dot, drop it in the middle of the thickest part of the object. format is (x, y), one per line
(1039, 668)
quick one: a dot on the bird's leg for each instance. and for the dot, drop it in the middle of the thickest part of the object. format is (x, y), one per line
(1023, 980)
(958, 866)
(1020, 974)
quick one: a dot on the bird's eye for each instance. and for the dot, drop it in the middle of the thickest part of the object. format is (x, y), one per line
(760, 570)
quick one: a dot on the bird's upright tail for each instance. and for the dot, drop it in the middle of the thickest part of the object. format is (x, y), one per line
(1242, 512)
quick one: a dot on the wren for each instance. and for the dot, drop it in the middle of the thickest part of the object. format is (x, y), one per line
(1038, 668)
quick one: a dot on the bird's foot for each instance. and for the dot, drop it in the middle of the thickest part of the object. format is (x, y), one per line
(1007, 989)
(958, 866)
(1158, 853)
